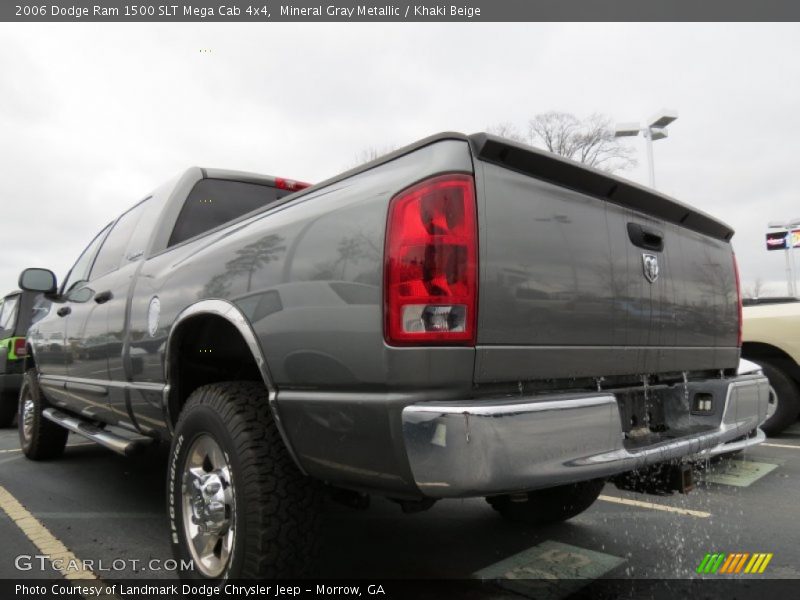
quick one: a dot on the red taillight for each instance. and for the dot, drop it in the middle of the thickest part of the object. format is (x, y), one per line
(738, 298)
(431, 264)
(290, 184)
(19, 347)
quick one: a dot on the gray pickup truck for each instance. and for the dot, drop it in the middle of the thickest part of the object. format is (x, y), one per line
(464, 317)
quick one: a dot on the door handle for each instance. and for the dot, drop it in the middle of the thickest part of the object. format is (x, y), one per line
(63, 311)
(103, 297)
(643, 237)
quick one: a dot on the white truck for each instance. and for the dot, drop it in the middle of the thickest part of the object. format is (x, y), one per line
(771, 338)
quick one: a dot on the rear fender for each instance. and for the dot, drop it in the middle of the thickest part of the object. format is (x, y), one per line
(231, 313)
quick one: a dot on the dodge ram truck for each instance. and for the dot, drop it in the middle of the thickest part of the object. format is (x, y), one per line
(464, 317)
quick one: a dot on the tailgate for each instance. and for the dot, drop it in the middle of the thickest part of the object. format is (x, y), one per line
(586, 275)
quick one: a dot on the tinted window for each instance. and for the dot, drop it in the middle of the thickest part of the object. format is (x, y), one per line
(111, 254)
(148, 223)
(80, 272)
(213, 202)
(8, 315)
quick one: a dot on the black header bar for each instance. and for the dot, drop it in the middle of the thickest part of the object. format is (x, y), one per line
(417, 12)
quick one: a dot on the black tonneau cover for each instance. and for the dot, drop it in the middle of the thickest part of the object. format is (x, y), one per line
(568, 173)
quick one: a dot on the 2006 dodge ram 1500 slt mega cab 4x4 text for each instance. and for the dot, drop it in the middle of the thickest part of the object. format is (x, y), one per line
(464, 317)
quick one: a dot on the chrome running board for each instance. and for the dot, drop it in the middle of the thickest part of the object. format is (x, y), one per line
(112, 441)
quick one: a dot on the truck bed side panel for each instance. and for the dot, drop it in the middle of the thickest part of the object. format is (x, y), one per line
(308, 276)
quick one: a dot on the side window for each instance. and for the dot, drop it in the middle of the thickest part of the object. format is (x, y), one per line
(148, 223)
(80, 271)
(213, 202)
(8, 314)
(112, 252)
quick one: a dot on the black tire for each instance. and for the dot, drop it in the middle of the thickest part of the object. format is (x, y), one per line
(272, 510)
(8, 409)
(39, 438)
(550, 505)
(786, 397)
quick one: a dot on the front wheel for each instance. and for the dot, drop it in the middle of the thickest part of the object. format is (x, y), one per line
(238, 505)
(39, 438)
(552, 505)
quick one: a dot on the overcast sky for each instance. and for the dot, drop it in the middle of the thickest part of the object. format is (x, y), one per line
(93, 116)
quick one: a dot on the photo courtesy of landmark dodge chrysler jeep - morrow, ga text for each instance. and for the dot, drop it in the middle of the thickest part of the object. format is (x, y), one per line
(464, 317)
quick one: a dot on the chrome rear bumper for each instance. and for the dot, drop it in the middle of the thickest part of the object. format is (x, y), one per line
(479, 448)
(753, 439)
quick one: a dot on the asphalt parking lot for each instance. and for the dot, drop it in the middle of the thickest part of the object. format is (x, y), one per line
(103, 507)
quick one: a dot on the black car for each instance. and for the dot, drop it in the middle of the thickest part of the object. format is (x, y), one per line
(18, 310)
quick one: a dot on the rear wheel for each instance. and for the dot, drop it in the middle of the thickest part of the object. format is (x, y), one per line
(551, 505)
(39, 438)
(784, 399)
(238, 505)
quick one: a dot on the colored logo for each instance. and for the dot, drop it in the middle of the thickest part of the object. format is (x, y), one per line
(740, 562)
(778, 240)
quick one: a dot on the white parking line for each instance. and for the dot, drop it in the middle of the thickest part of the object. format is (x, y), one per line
(62, 559)
(779, 446)
(41, 537)
(673, 509)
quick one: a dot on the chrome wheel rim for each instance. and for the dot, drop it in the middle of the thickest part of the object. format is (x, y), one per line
(28, 409)
(772, 405)
(209, 515)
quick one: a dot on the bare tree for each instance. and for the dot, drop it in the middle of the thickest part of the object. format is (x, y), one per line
(754, 290)
(509, 131)
(590, 140)
(248, 261)
(370, 153)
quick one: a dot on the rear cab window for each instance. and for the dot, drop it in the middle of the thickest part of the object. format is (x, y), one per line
(214, 202)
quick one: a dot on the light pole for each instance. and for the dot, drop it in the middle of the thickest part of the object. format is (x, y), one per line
(793, 224)
(656, 130)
